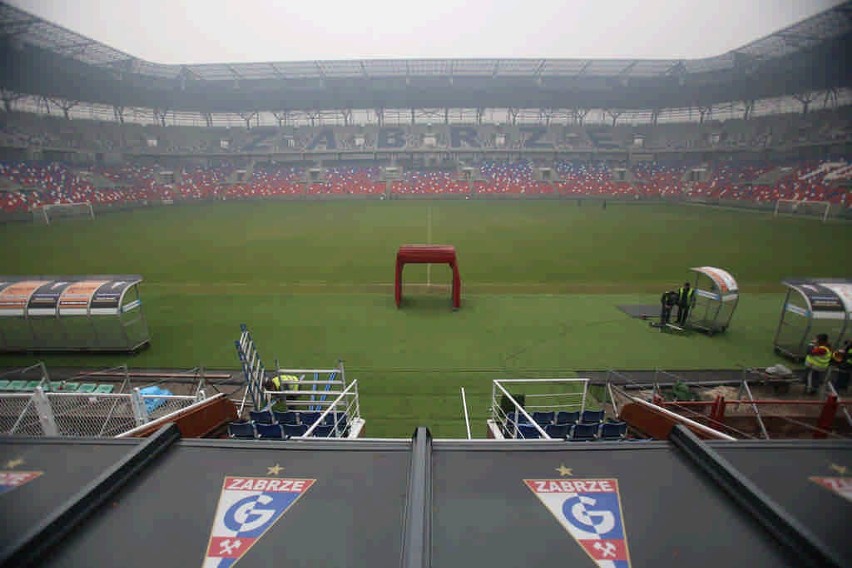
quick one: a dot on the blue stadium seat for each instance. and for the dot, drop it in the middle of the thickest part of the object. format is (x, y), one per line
(308, 418)
(332, 417)
(592, 417)
(543, 418)
(583, 432)
(557, 431)
(262, 416)
(565, 417)
(527, 432)
(613, 430)
(294, 430)
(269, 431)
(518, 418)
(288, 417)
(324, 431)
(243, 430)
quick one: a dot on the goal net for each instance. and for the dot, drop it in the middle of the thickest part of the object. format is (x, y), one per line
(804, 208)
(47, 214)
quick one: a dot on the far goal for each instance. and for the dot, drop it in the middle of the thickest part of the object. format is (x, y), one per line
(47, 214)
(816, 209)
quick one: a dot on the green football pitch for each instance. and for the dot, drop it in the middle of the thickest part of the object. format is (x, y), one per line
(541, 281)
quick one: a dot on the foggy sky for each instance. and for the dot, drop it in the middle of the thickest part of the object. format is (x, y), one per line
(215, 31)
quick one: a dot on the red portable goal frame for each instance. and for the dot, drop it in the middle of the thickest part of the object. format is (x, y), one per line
(427, 254)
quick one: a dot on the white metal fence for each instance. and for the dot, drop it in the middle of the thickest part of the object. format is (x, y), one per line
(43, 413)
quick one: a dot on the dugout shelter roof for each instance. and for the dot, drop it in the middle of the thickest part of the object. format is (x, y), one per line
(406, 502)
(42, 58)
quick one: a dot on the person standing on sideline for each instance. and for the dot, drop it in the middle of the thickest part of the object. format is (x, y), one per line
(843, 358)
(816, 363)
(685, 299)
(667, 302)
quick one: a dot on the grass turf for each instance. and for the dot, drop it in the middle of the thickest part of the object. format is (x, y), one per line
(541, 282)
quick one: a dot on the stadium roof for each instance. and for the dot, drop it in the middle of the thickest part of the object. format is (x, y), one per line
(42, 58)
(423, 502)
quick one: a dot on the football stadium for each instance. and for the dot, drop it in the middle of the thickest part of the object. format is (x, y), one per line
(496, 312)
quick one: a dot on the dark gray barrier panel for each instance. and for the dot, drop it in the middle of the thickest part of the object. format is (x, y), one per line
(348, 512)
(485, 515)
(810, 479)
(803, 545)
(33, 545)
(39, 474)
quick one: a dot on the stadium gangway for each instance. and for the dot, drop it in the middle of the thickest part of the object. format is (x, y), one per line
(500, 417)
(327, 383)
(352, 412)
(253, 369)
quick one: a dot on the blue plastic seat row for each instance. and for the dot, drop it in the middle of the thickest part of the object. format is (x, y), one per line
(558, 418)
(576, 432)
(250, 430)
(296, 418)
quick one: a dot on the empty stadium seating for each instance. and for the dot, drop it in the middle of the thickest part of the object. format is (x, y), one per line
(267, 424)
(27, 185)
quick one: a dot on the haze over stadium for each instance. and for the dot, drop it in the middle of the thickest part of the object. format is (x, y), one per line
(190, 31)
(572, 241)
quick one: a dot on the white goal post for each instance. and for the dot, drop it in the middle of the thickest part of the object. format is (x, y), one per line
(803, 207)
(49, 212)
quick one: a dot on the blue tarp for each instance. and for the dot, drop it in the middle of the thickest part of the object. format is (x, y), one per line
(152, 404)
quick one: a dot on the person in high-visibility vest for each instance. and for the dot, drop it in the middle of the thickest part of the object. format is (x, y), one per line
(817, 359)
(282, 384)
(685, 299)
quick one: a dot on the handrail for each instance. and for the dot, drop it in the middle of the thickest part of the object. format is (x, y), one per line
(325, 412)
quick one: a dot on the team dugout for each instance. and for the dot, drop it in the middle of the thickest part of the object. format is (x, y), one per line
(73, 313)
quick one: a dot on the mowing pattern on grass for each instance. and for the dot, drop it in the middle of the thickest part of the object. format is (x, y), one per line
(542, 279)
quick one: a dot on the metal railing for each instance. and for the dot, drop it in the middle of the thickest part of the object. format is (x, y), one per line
(43, 413)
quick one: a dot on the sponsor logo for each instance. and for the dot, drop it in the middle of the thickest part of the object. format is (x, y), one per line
(590, 510)
(10, 480)
(840, 485)
(248, 508)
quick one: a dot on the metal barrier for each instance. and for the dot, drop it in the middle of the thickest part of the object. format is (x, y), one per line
(43, 413)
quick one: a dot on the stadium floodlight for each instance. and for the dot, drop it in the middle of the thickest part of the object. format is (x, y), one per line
(49, 212)
(803, 207)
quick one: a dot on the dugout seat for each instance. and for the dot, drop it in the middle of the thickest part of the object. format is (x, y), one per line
(262, 416)
(269, 431)
(288, 417)
(565, 417)
(613, 430)
(295, 430)
(4, 384)
(583, 432)
(543, 418)
(242, 430)
(592, 417)
(87, 388)
(558, 431)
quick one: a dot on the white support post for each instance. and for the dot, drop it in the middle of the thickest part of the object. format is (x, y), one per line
(45, 413)
(140, 413)
(466, 416)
